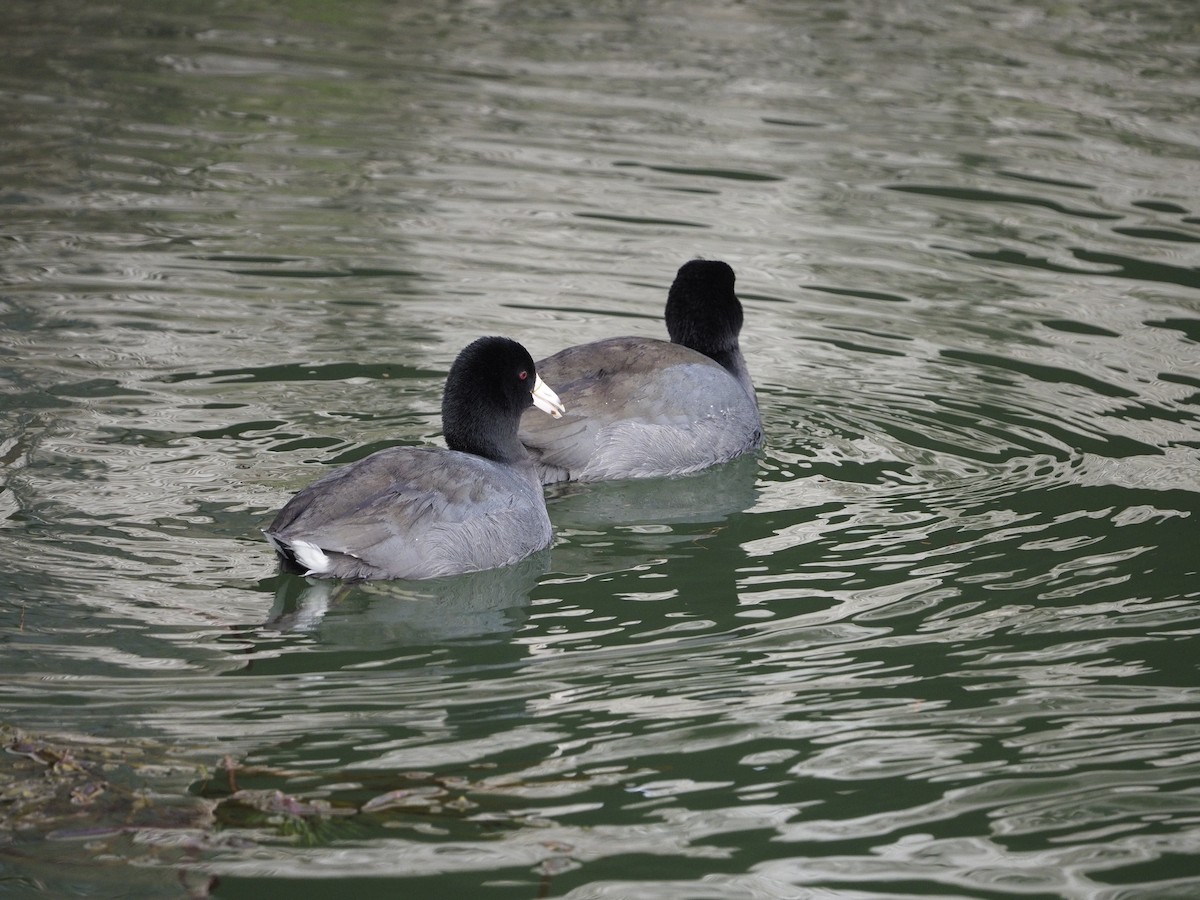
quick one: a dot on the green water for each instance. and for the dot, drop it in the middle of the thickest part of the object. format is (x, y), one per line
(938, 638)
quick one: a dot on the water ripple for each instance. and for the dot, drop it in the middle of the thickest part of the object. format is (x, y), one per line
(937, 637)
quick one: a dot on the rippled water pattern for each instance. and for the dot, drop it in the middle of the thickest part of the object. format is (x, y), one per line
(938, 638)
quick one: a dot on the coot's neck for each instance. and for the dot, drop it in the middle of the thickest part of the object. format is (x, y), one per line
(718, 343)
(734, 363)
(474, 422)
(491, 437)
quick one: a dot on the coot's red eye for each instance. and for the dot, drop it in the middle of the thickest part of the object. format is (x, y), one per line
(523, 375)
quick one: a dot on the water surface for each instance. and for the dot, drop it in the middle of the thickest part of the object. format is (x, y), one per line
(937, 638)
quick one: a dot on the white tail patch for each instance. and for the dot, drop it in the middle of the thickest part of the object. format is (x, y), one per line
(310, 556)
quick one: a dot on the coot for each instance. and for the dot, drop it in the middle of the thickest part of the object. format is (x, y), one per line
(641, 407)
(425, 512)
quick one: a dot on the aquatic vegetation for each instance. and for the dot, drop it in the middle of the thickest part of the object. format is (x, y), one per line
(140, 798)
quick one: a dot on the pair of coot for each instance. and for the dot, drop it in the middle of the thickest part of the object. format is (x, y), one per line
(631, 408)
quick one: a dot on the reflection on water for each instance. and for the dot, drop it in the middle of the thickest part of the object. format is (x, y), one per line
(937, 636)
(398, 612)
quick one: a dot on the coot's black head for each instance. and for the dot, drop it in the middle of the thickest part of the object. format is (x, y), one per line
(703, 312)
(490, 384)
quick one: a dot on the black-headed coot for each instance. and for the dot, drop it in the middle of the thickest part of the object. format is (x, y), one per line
(424, 512)
(640, 407)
